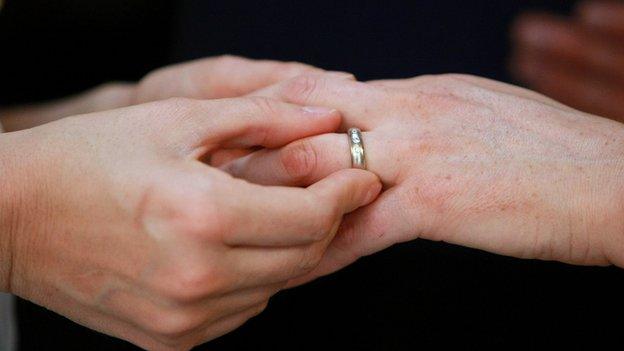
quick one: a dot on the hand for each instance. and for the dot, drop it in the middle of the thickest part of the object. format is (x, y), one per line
(578, 60)
(464, 160)
(216, 78)
(111, 220)
(209, 78)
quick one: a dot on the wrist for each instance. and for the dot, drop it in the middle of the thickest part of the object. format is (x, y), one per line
(8, 213)
(16, 195)
(606, 216)
(613, 239)
(105, 97)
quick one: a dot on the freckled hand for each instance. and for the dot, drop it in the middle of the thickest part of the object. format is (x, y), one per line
(464, 160)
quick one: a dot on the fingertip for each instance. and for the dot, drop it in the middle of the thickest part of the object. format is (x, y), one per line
(365, 186)
(372, 184)
(373, 191)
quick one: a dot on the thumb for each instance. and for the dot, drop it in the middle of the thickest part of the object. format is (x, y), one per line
(202, 126)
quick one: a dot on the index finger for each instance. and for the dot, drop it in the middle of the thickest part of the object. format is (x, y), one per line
(217, 77)
(197, 127)
(353, 99)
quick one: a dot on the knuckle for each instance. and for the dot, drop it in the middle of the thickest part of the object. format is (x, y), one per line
(293, 69)
(452, 83)
(175, 346)
(445, 78)
(440, 83)
(434, 100)
(311, 258)
(183, 213)
(180, 107)
(114, 89)
(195, 282)
(113, 94)
(151, 77)
(149, 87)
(178, 102)
(260, 308)
(453, 77)
(299, 159)
(321, 231)
(332, 213)
(348, 240)
(228, 60)
(265, 106)
(329, 221)
(326, 217)
(161, 345)
(424, 79)
(173, 326)
(301, 88)
(200, 219)
(318, 233)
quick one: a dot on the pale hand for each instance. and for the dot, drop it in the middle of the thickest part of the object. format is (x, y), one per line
(111, 220)
(464, 160)
(208, 78)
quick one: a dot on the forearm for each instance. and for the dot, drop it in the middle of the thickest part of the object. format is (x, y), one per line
(105, 97)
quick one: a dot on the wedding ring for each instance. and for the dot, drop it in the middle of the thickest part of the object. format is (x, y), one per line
(356, 145)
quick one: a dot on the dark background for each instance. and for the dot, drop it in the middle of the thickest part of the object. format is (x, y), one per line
(414, 295)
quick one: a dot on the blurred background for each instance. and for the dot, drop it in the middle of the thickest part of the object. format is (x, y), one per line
(414, 295)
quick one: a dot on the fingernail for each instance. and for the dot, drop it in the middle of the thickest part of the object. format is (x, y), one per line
(318, 111)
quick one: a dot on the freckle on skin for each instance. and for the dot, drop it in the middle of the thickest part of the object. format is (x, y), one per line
(425, 148)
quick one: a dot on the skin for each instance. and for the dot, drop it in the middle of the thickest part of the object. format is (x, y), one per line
(464, 160)
(208, 78)
(112, 220)
(578, 60)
